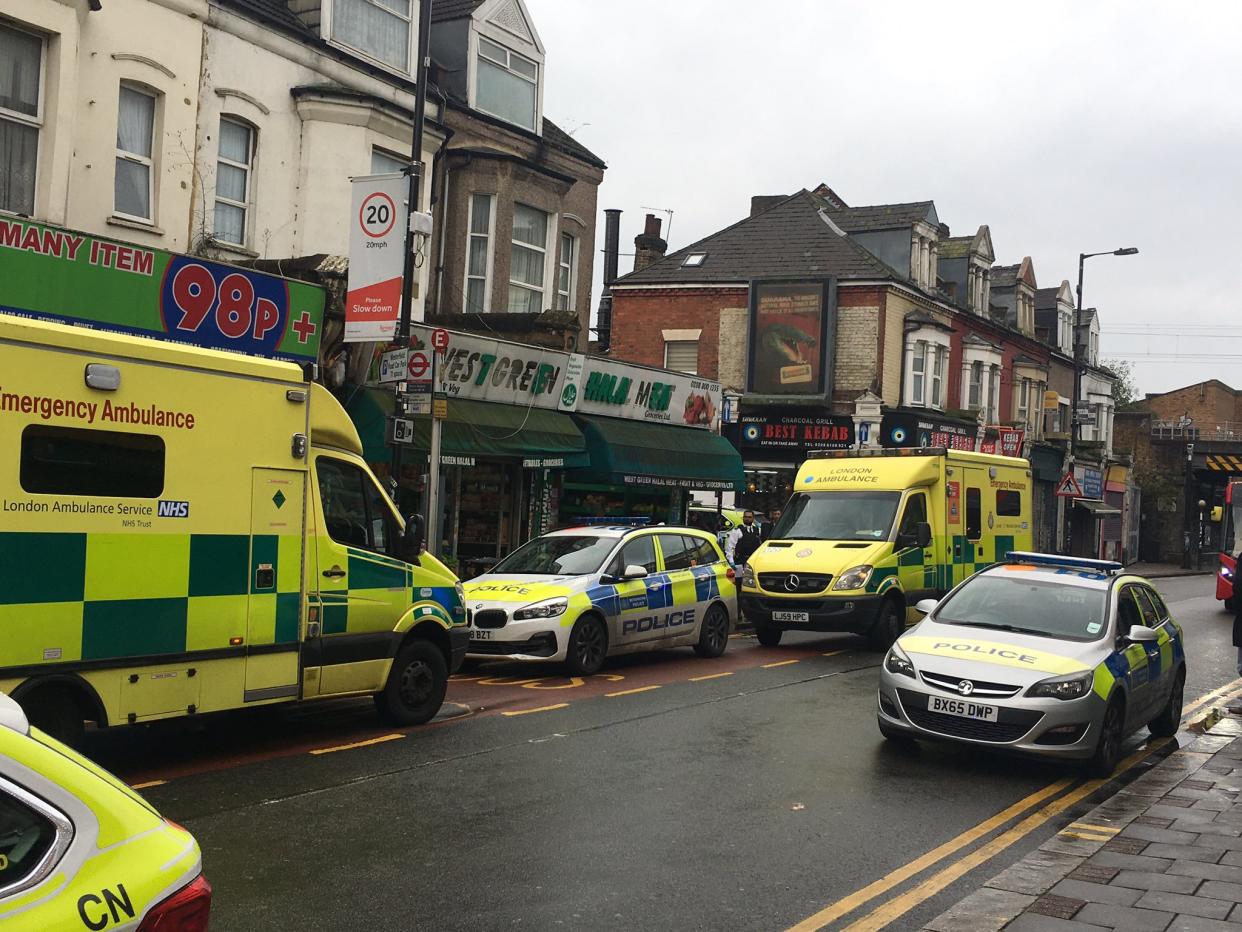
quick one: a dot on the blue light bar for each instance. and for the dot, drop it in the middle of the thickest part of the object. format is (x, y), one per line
(1052, 559)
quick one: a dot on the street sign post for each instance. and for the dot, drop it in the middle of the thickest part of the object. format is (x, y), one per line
(400, 430)
(439, 339)
(418, 366)
(392, 366)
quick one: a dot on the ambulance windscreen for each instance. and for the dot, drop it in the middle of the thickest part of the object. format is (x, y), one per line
(561, 555)
(838, 516)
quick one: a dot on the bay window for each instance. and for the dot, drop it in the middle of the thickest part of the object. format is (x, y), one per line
(379, 29)
(233, 174)
(507, 84)
(385, 163)
(528, 260)
(567, 273)
(1023, 402)
(975, 394)
(135, 142)
(993, 394)
(937, 377)
(21, 117)
(479, 254)
(918, 369)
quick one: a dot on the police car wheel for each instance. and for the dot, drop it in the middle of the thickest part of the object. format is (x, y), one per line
(714, 633)
(1166, 724)
(588, 646)
(416, 685)
(768, 636)
(888, 625)
(1108, 746)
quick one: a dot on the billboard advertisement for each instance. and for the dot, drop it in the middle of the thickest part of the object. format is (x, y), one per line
(791, 337)
(49, 273)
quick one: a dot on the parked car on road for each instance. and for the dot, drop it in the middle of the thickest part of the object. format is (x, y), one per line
(1047, 655)
(81, 850)
(582, 594)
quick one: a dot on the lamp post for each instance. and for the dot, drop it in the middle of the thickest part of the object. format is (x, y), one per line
(1073, 439)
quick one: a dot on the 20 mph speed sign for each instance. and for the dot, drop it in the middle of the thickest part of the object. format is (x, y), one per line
(376, 244)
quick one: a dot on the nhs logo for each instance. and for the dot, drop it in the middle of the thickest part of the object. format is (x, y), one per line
(174, 509)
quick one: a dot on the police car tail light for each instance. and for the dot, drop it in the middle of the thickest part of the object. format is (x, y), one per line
(897, 662)
(1074, 686)
(549, 609)
(185, 911)
(854, 578)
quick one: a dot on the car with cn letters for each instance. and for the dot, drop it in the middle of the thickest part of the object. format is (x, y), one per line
(1047, 655)
(580, 595)
(81, 850)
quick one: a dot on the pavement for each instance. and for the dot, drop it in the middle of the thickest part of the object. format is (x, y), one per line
(1170, 570)
(1162, 855)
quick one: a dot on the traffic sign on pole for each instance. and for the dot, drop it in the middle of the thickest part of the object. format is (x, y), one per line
(439, 339)
(418, 367)
(1068, 487)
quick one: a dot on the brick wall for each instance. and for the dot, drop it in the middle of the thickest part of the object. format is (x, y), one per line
(640, 317)
(1210, 404)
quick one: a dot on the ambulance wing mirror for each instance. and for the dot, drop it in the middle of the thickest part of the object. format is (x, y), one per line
(1218, 514)
(412, 539)
(1141, 634)
(925, 606)
(924, 533)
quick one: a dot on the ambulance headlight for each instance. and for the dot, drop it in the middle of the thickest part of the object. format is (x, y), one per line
(748, 576)
(461, 592)
(854, 578)
(547, 609)
(897, 662)
(1074, 686)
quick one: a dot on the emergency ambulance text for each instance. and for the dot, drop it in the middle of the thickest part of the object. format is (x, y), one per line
(48, 408)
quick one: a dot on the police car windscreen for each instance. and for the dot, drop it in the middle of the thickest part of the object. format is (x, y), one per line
(1026, 606)
(838, 516)
(558, 556)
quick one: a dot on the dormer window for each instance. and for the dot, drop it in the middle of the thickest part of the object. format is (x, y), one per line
(508, 84)
(380, 29)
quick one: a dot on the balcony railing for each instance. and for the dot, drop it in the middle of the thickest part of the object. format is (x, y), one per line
(1172, 430)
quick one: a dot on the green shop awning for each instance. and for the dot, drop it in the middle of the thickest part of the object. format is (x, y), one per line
(636, 454)
(536, 437)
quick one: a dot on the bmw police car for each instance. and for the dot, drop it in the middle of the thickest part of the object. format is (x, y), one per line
(1049, 655)
(80, 850)
(580, 595)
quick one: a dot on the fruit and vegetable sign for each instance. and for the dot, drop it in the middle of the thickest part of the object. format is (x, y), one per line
(791, 337)
(656, 395)
(49, 273)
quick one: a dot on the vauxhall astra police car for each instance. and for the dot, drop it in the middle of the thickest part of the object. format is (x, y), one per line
(583, 594)
(1048, 655)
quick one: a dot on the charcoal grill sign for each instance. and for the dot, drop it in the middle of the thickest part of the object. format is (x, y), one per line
(790, 436)
(908, 430)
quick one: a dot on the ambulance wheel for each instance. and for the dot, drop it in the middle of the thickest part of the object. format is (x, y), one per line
(416, 685)
(889, 624)
(588, 646)
(1108, 746)
(55, 711)
(768, 636)
(1229, 604)
(714, 633)
(1166, 724)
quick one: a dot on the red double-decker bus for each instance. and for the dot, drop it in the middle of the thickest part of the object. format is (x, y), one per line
(1227, 572)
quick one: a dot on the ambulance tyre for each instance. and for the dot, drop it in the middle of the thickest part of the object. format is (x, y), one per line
(1166, 724)
(713, 633)
(1229, 603)
(1108, 746)
(416, 684)
(888, 625)
(768, 636)
(55, 711)
(588, 646)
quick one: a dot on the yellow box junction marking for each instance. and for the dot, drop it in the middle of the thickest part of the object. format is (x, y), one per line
(542, 708)
(357, 744)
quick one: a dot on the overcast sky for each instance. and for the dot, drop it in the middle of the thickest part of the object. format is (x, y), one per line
(1066, 127)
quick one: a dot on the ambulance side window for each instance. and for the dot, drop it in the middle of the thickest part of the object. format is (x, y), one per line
(915, 514)
(353, 508)
(76, 461)
(25, 838)
(974, 514)
(1008, 503)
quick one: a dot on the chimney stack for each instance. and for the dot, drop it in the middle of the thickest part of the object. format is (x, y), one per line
(648, 246)
(612, 246)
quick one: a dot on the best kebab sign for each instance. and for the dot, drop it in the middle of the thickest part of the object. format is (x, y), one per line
(510, 373)
(62, 275)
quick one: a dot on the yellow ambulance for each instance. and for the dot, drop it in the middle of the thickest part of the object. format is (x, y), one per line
(185, 530)
(868, 534)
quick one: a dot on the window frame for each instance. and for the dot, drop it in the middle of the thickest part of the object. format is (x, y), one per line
(668, 364)
(616, 565)
(249, 169)
(100, 437)
(35, 122)
(1022, 402)
(685, 550)
(907, 509)
(1005, 510)
(918, 373)
(937, 378)
(487, 277)
(149, 162)
(391, 527)
(329, 34)
(973, 499)
(514, 244)
(506, 66)
(994, 381)
(392, 156)
(62, 826)
(974, 390)
(565, 299)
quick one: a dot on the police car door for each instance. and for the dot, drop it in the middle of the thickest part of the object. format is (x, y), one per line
(674, 602)
(1138, 673)
(631, 594)
(1160, 653)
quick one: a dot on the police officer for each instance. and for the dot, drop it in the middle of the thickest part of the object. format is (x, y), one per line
(743, 540)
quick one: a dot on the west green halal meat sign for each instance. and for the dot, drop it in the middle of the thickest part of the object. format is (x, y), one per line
(50, 273)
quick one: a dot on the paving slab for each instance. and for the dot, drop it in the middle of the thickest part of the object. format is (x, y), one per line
(984, 910)
(1096, 892)
(1184, 905)
(1222, 890)
(1035, 874)
(1147, 880)
(1033, 922)
(1122, 917)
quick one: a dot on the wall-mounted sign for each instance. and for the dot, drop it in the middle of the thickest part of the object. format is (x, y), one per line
(1006, 441)
(792, 331)
(616, 389)
(789, 435)
(379, 219)
(1091, 480)
(49, 273)
(900, 429)
(493, 370)
(392, 366)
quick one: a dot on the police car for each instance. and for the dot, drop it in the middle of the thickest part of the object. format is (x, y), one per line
(1048, 655)
(583, 594)
(80, 850)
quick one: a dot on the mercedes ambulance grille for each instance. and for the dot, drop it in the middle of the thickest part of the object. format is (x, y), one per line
(490, 618)
(953, 684)
(794, 582)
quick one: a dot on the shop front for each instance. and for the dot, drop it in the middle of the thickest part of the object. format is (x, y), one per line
(1090, 511)
(1047, 468)
(775, 442)
(904, 428)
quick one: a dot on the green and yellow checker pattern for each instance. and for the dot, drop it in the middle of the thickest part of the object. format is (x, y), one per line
(92, 597)
(376, 591)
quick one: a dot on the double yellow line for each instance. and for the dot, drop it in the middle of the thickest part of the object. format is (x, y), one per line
(893, 909)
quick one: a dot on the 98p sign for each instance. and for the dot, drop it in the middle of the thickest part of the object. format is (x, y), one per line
(222, 307)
